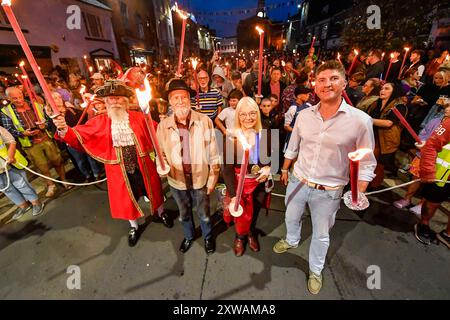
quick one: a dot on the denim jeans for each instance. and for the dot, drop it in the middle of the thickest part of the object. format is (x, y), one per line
(186, 201)
(324, 205)
(85, 163)
(20, 190)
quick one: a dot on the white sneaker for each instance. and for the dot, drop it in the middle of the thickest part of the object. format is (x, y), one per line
(417, 210)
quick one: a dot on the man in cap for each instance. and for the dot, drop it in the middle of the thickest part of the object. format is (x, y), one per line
(120, 139)
(98, 81)
(188, 144)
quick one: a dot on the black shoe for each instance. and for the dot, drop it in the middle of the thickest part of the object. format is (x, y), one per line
(424, 234)
(132, 237)
(166, 220)
(185, 245)
(210, 246)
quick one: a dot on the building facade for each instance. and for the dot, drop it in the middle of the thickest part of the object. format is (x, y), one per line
(46, 28)
(135, 30)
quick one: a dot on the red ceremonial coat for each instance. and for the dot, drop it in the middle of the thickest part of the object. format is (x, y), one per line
(95, 139)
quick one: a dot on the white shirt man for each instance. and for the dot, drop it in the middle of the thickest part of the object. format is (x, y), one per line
(324, 134)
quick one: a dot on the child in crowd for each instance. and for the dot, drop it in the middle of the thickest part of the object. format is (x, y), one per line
(225, 119)
(301, 97)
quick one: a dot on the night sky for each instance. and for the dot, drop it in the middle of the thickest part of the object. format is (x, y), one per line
(226, 25)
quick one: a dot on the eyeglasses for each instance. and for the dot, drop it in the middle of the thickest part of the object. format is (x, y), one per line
(251, 115)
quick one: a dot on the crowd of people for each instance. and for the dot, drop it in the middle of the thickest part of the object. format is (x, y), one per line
(311, 113)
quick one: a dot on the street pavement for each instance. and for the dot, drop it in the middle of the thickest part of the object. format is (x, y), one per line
(76, 230)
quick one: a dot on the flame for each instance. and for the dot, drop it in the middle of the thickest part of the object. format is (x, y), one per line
(16, 75)
(91, 69)
(183, 14)
(144, 96)
(84, 57)
(194, 63)
(83, 89)
(313, 83)
(392, 56)
(359, 154)
(447, 57)
(260, 31)
(406, 49)
(283, 63)
(355, 51)
(338, 56)
(22, 63)
(6, 2)
(85, 103)
(382, 55)
(243, 141)
(101, 68)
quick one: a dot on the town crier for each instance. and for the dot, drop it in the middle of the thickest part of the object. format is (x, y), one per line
(120, 139)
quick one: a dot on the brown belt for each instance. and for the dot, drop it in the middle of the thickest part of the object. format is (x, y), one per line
(318, 186)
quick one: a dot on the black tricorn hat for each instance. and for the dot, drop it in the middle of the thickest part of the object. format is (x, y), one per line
(114, 88)
(177, 84)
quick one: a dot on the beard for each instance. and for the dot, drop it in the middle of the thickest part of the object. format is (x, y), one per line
(182, 112)
(121, 132)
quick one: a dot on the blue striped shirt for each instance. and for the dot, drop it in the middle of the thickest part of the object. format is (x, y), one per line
(208, 103)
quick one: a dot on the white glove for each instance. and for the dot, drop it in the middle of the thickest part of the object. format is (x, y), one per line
(263, 174)
(160, 171)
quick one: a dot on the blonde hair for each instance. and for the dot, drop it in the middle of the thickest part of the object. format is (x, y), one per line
(247, 101)
(445, 77)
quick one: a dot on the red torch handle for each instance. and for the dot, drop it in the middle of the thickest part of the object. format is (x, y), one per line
(23, 42)
(84, 113)
(242, 173)
(260, 62)
(346, 98)
(151, 130)
(354, 173)
(180, 57)
(406, 125)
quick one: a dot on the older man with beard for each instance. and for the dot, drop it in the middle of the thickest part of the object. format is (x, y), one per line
(188, 143)
(120, 139)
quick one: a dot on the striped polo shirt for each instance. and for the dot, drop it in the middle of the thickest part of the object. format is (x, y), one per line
(208, 103)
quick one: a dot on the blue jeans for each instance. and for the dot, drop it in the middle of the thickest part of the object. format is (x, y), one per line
(323, 205)
(186, 201)
(85, 163)
(20, 190)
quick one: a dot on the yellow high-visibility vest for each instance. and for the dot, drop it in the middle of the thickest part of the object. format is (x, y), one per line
(19, 157)
(9, 112)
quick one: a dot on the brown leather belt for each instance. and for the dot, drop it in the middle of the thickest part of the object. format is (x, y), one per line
(318, 186)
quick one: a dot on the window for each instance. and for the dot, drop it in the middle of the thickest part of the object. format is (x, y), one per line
(140, 27)
(93, 26)
(124, 13)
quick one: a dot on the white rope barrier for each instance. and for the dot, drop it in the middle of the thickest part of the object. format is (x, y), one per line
(378, 191)
(62, 182)
(8, 180)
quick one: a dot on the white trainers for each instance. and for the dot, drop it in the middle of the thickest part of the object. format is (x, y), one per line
(417, 210)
